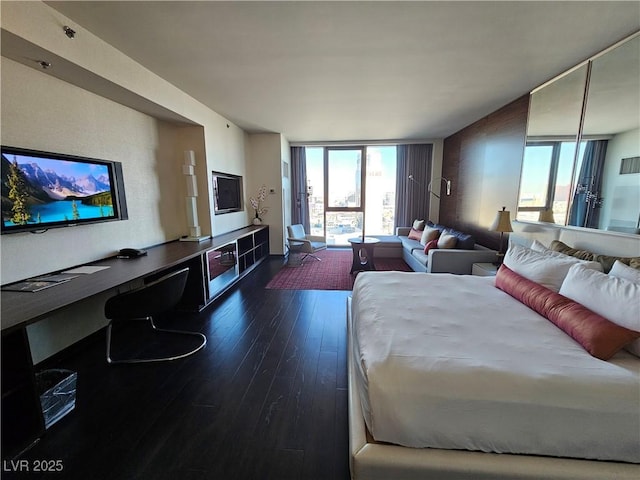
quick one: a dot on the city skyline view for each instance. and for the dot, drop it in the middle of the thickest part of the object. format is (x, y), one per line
(345, 189)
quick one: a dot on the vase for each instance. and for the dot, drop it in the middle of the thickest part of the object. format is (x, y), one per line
(257, 221)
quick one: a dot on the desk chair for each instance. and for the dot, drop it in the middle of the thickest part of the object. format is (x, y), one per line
(142, 304)
(299, 241)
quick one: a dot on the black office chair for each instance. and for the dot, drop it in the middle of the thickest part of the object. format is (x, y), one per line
(142, 304)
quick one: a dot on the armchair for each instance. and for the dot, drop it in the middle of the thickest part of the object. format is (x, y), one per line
(300, 242)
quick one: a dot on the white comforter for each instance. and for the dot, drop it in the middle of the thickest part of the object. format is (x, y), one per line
(452, 362)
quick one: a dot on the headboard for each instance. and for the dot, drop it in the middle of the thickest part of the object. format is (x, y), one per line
(597, 241)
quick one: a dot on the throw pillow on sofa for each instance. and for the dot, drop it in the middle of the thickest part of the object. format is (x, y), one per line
(447, 240)
(415, 234)
(418, 224)
(428, 234)
(464, 242)
(431, 245)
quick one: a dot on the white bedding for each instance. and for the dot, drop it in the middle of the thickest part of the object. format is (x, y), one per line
(452, 362)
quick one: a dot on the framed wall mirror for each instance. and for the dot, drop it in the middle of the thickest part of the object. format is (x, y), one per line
(581, 164)
(549, 156)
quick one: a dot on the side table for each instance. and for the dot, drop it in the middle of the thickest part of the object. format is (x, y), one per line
(362, 248)
(484, 269)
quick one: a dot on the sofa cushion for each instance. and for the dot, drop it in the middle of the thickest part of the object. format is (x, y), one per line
(465, 241)
(418, 224)
(411, 245)
(420, 256)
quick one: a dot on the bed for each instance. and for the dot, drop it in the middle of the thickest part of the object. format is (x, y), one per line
(494, 390)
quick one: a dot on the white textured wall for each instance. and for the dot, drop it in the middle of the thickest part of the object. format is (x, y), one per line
(265, 160)
(40, 111)
(44, 113)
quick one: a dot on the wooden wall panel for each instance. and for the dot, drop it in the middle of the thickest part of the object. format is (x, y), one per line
(483, 162)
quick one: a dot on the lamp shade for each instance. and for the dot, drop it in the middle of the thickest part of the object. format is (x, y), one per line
(546, 215)
(502, 222)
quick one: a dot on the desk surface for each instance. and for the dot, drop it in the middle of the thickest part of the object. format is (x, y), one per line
(22, 308)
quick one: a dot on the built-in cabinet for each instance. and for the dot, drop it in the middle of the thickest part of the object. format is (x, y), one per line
(230, 257)
(231, 260)
(214, 266)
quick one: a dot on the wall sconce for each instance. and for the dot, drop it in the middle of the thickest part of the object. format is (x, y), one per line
(502, 224)
(442, 179)
(447, 184)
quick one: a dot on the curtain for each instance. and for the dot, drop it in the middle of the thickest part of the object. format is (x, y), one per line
(587, 200)
(299, 203)
(412, 196)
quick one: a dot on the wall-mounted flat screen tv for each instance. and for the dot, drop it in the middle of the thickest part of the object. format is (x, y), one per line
(42, 190)
(227, 192)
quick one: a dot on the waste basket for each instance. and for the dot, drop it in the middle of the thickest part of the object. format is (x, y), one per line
(57, 390)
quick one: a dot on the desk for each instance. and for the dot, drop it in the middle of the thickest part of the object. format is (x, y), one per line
(363, 253)
(22, 420)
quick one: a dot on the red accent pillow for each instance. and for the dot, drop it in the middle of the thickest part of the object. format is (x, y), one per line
(415, 234)
(597, 335)
(431, 244)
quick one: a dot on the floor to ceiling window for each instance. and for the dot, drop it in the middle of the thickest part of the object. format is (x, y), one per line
(346, 194)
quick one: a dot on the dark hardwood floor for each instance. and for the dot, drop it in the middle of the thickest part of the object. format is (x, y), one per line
(266, 398)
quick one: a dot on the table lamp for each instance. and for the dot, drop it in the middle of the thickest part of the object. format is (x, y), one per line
(502, 224)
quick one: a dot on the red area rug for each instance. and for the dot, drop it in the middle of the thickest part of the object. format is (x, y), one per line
(331, 273)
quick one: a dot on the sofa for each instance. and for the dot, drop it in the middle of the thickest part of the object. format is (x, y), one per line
(458, 259)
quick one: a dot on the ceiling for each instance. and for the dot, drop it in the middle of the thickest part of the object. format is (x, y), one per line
(355, 71)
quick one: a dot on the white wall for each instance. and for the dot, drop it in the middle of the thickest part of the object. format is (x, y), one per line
(621, 193)
(266, 152)
(44, 113)
(84, 115)
(285, 166)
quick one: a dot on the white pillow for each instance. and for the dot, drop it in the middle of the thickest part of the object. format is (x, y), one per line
(429, 234)
(446, 240)
(621, 270)
(536, 246)
(547, 270)
(616, 299)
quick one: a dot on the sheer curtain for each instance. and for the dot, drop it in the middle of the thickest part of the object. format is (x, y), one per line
(412, 196)
(587, 200)
(299, 203)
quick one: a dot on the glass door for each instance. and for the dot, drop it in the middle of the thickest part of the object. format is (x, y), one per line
(380, 192)
(345, 182)
(315, 189)
(344, 193)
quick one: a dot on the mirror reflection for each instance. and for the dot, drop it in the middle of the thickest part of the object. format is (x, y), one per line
(549, 156)
(593, 183)
(606, 196)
